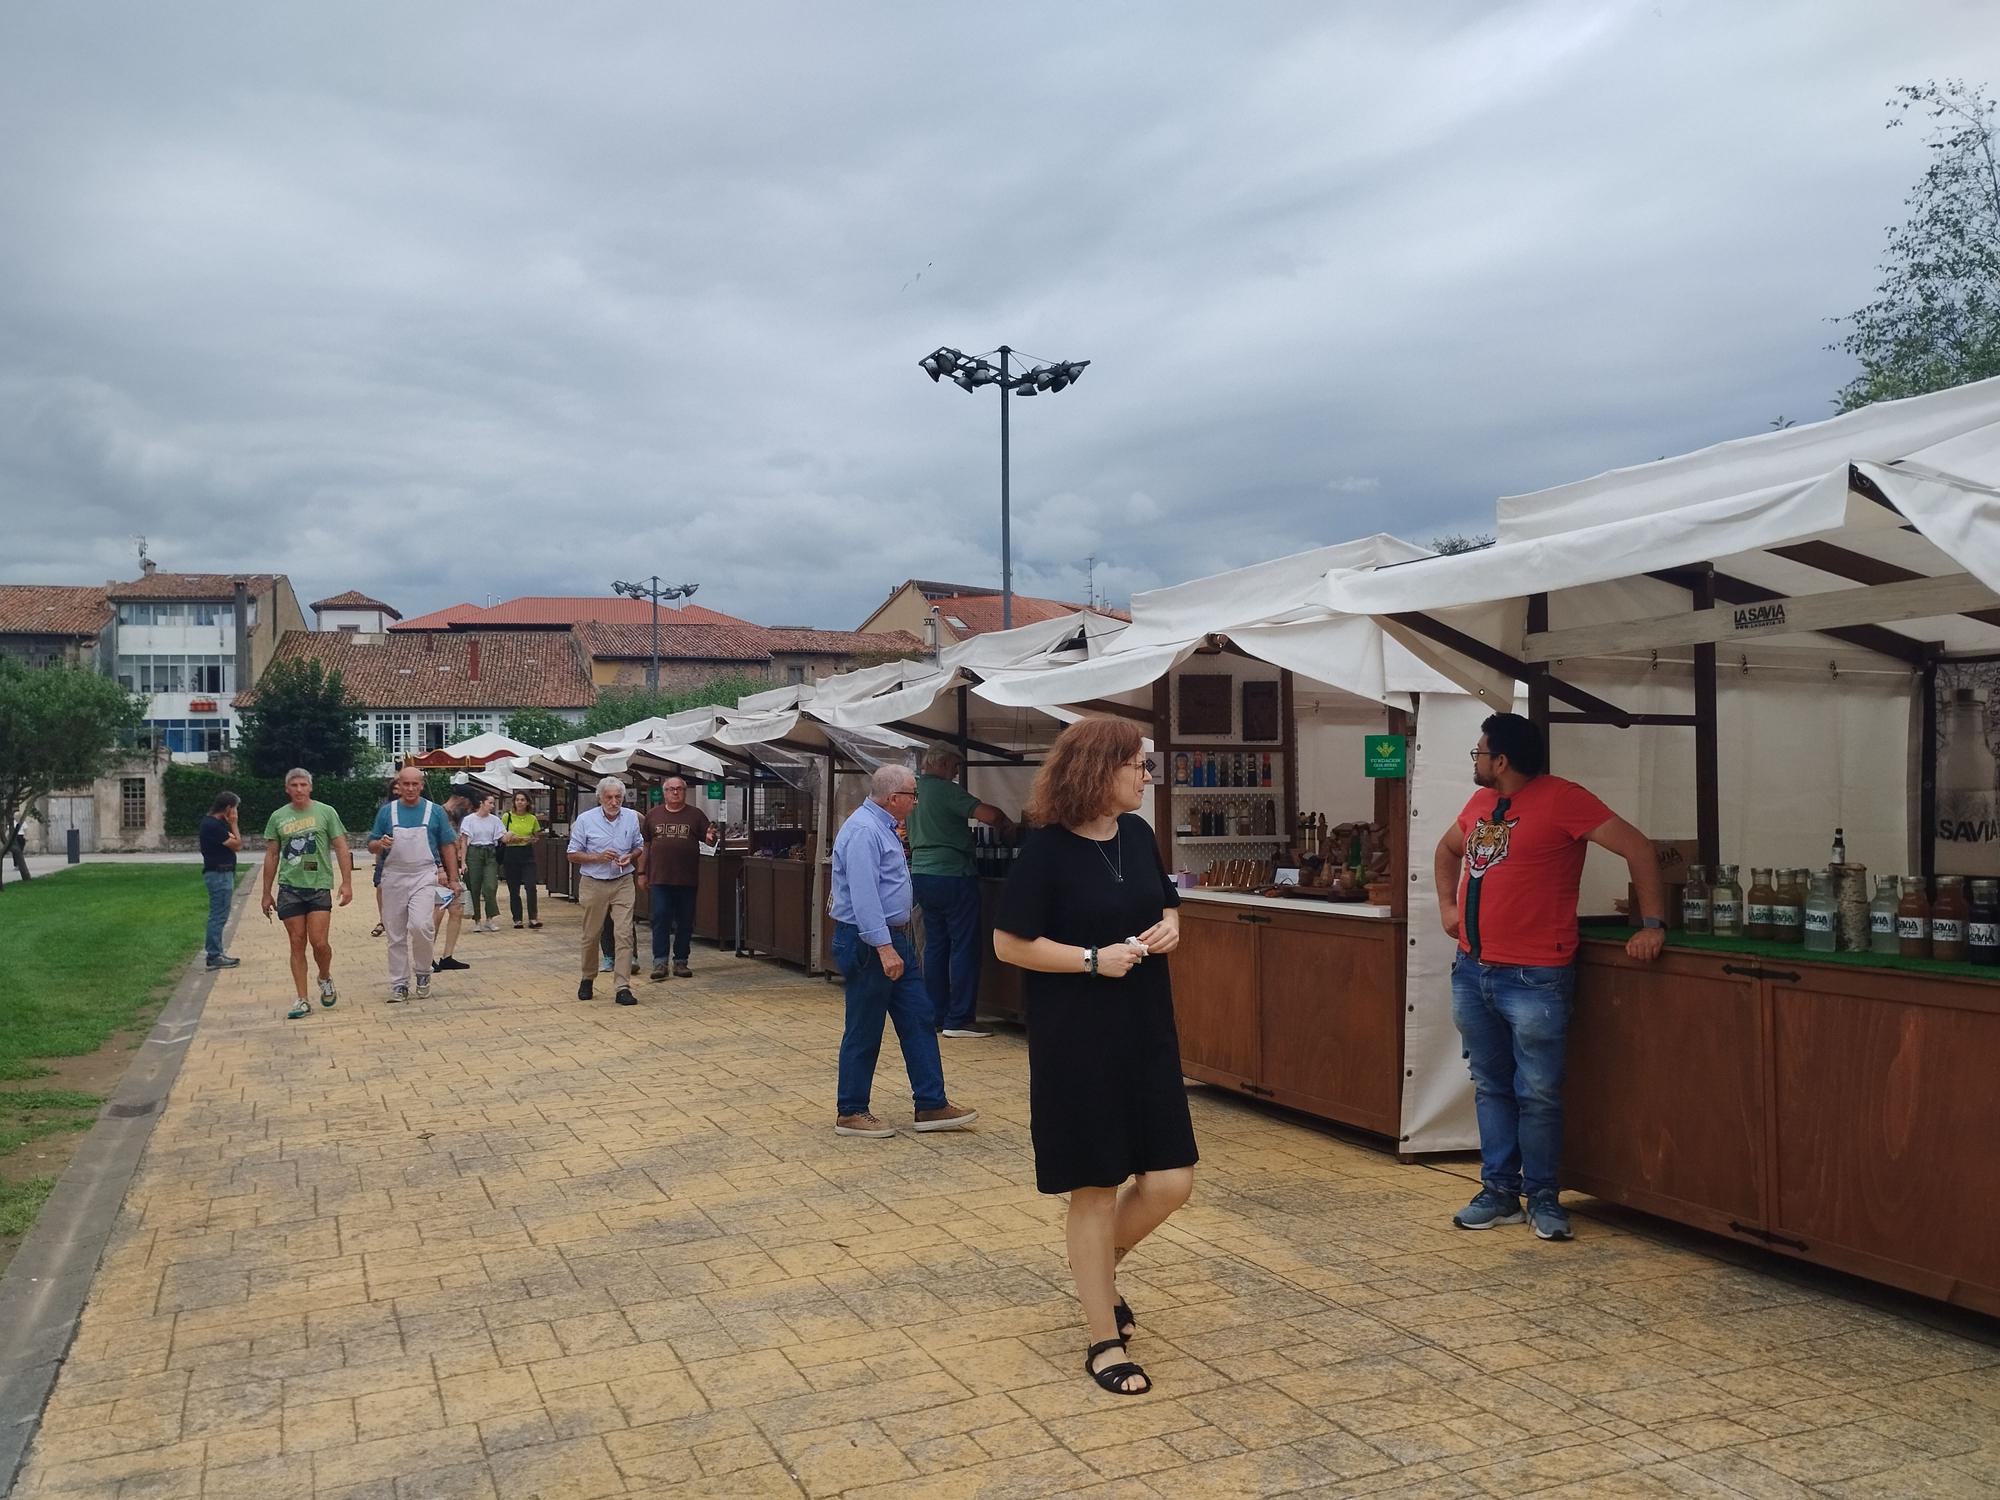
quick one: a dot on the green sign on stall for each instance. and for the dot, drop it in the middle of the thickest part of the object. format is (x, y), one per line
(715, 791)
(1388, 755)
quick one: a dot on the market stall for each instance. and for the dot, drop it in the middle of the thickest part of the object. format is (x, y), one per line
(1777, 646)
(1311, 962)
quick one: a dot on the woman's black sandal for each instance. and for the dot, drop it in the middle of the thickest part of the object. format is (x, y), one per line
(1113, 1377)
(1126, 1322)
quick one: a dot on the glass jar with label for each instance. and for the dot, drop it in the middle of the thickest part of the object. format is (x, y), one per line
(1788, 902)
(1725, 904)
(1694, 901)
(1819, 913)
(1758, 903)
(1882, 914)
(1949, 913)
(1913, 919)
(1982, 928)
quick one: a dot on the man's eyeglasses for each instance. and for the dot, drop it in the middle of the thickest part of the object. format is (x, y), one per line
(1478, 753)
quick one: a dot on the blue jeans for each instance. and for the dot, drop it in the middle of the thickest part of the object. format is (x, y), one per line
(1515, 1022)
(870, 995)
(221, 890)
(950, 904)
(673, 916)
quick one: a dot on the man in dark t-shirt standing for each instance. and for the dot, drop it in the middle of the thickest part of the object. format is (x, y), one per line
(220, 838)
(1508, 874)
(675, 832)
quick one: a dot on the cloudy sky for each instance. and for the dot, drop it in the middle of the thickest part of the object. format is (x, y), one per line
(457, 300)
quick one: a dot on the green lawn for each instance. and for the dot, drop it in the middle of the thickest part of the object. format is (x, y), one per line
(88, 952)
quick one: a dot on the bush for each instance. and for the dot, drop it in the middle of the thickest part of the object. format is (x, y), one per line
(191, 790)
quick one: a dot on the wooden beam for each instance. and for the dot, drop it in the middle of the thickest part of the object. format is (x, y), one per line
(1731, 590)
(1538, 684)
(1163, 789)
(1707, 736)
(1916, 600)
(1107, 709)
(1650, 721)
(1491, 657)
(939, 736)
(1859, 567)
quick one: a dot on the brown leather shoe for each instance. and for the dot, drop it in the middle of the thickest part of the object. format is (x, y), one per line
(951, 1117)
(863, 1124)
(659, 973)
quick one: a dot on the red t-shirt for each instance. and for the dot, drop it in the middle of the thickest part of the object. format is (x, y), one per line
(1529, 864)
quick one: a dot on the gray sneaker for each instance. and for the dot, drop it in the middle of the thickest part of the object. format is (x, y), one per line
(398, 993)
(1488, 1209)
(423, 986)
(1550, 1218)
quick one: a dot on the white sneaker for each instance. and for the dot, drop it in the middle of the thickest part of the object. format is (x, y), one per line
(966, 1031)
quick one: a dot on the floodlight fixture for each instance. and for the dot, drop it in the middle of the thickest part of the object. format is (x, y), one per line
(654, 590)
(970, 374)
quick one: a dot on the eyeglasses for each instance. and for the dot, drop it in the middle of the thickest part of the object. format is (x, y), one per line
(1478, 753)
(906, 792)
(1145, 763)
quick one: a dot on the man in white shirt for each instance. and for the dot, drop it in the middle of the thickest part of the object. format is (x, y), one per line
(605, 842)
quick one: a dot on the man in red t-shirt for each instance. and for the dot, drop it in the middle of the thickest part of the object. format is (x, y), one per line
(1507, 878)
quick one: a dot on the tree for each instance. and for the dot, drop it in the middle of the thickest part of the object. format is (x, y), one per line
(1458, 541)
(617, 707)
(60, 727)
(301, 716)
(1935, 320)
(538, 727)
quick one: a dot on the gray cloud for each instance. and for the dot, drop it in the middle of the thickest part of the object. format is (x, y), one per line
(460, 300)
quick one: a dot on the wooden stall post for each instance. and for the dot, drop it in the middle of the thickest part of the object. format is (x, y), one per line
(1538, 677)
(1707, 760)
(1163, 748)
(822, 863)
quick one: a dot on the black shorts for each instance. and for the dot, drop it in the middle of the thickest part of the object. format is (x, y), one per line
(293, 902)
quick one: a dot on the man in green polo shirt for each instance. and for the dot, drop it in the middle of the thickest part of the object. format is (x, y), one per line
(946, 885)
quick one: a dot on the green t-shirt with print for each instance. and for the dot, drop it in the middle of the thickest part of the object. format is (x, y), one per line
(940, 836)
(304, 841)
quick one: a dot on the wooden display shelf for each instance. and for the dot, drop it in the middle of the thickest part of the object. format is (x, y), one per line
(1831, 1112)
(1300, 1007)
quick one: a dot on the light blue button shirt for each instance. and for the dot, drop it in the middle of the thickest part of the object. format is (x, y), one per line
(594, 833)
(871, 877)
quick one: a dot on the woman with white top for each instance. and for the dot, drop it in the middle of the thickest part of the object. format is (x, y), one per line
(482, 832)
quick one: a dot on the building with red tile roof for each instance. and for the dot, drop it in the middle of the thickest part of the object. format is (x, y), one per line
(41, 623)
(963, 610)
(557, 611)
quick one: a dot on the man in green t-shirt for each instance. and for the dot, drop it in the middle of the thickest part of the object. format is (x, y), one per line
(304, 842)
(946, 885)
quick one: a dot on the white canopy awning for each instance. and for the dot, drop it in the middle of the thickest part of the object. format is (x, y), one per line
(1876, 531)
(480, 746)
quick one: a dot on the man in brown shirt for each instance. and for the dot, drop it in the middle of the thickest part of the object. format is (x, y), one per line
(675, 832)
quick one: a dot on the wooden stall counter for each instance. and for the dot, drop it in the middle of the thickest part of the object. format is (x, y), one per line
(777, 917)
(1814, 1104)
(715, 897)
(1295, 1001)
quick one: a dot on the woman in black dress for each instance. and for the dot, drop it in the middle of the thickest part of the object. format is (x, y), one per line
(1089, 913)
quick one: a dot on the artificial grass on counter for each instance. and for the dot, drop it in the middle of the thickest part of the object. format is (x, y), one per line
(1794, 953)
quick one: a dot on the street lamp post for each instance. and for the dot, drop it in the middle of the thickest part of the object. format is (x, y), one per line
(653, 590)
(973, 371)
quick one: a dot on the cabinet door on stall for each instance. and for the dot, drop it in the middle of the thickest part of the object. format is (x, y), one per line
(1215, 991)
(1333, 1018)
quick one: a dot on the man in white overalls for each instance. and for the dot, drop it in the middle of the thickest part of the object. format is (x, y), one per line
(420, 849)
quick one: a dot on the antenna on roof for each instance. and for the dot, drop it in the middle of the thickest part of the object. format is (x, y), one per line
(146, 564)
(1090, 581)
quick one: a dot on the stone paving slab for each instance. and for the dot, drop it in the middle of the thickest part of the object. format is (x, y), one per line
(505, 1244)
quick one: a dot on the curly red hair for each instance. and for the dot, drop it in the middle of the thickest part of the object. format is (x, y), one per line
(1075, 782)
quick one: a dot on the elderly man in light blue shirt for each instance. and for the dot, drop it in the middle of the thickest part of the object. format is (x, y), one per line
(604, 843)
(870, 907)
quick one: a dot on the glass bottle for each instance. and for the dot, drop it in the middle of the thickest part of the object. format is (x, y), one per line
(1694, 901)
(1968, 804)
(1788, 902)
(1840, 846)
(1948, 916)
(1819, 913)
(1725, 904)
(1882, 915)
(1982, 927)
(1913, 919)
(1758, 904)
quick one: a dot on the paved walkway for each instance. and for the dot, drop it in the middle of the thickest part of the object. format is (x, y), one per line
(506, 1244)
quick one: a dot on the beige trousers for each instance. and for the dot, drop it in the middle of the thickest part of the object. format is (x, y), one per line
(601, 899)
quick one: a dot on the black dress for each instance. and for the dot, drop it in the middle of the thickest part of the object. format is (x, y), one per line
(1104, 1060)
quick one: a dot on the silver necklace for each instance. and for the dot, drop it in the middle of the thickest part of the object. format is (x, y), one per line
(1117, 870)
